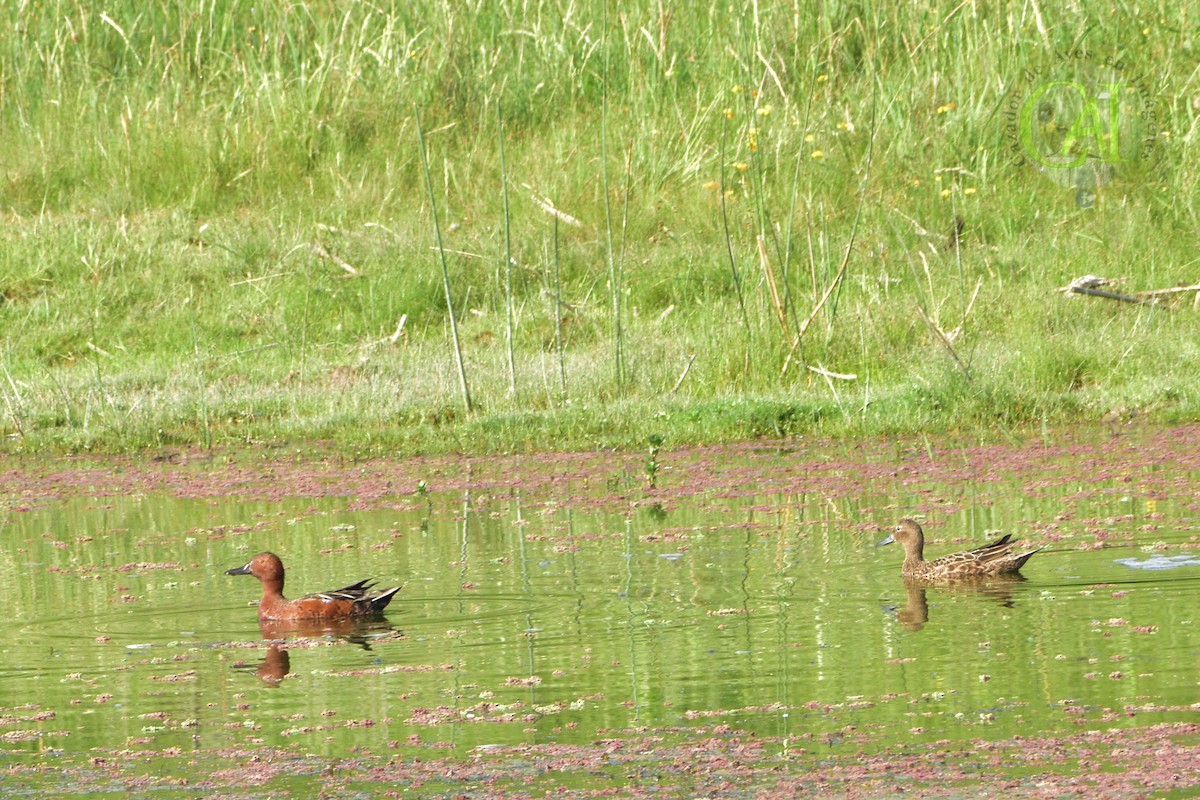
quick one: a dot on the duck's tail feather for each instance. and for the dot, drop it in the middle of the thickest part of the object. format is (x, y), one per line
(380, 601)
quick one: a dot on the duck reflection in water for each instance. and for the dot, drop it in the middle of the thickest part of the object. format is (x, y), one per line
(914, 612)
(282, 635)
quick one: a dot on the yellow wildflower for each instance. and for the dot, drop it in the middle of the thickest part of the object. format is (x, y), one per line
(969, 190)
(818, 153)
(809, 138)
(945, 193)
(729, 113)
(712, 186)
(765, 111)
(741, 166)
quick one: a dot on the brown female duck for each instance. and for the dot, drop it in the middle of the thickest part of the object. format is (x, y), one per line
(996, 558)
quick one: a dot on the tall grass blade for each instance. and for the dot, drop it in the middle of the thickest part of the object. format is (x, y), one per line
(558, 337)
(764, 261)
(508, 293)
(614, 278)
(464, 388)
(733, 269)
(841, 273)
(201, 388)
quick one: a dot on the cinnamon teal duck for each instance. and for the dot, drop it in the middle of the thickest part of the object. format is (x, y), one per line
(997, 558)
(358, 600)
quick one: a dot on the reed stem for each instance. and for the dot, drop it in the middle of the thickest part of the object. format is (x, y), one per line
(464, 388)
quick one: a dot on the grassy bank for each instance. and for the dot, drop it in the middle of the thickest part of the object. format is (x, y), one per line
(721, 221)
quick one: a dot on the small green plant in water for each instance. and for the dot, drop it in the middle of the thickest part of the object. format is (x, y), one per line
(423, 493)
(655, 441)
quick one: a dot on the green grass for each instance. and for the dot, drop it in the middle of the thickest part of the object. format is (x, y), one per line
(215, 220)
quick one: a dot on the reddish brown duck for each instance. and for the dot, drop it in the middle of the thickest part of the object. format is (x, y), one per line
(996, 558)
(357, 600)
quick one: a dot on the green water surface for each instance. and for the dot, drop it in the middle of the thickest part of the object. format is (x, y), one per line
(586, 612)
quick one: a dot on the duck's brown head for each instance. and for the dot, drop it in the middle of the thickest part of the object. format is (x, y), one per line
(266, 567)
(907, 534)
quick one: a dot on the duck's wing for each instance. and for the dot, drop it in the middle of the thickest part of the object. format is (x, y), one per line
(353, 592)
(995, 551)
(362, 595)
(1000, 554)
(996, 548)
(997, 557)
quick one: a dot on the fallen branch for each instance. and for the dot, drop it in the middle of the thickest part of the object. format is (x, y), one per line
(320, 251)
(1124, 298)
(1089, 285)
(395, 337)
(683, 374)
(547, 205)
(1173, 290)
(841, 376)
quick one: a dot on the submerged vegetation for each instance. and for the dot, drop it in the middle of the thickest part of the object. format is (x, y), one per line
(697, 221)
